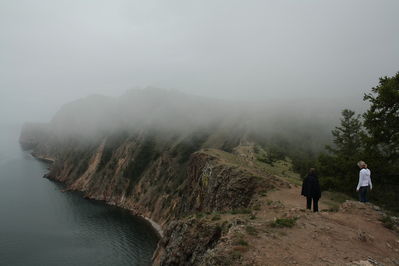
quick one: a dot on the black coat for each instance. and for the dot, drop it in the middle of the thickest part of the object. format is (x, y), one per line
(311, 187)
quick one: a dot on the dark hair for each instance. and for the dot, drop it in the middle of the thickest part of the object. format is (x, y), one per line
(312, 171)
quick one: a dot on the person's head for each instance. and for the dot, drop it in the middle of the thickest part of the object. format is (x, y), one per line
(361, 164)
(312, 171)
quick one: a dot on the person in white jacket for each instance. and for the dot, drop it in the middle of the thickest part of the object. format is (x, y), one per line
(364, 181)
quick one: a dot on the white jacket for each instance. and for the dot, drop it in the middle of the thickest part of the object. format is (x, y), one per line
(364, 179)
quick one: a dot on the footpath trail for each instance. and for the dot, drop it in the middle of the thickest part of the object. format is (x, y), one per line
(278, 230)
(352, 235)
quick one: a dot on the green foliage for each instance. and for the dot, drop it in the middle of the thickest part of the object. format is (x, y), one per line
(388, 222)
(230, 143)
(338, 168)
(273, 154)
(347, 137)
(382, 118)
(376, 141)
(336, 197)
(381, 121)
(284, 222)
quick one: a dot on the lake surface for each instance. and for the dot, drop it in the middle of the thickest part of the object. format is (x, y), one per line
(40, 225)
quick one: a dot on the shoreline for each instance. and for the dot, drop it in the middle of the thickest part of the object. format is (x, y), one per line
(155, 226)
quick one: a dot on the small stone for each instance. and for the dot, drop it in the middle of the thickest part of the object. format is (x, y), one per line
(389, 245)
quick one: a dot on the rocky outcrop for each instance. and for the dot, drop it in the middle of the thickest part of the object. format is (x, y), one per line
(186, 242)
(214, 186)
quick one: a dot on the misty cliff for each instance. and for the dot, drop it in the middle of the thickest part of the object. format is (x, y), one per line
(161, 154)
(150, 152)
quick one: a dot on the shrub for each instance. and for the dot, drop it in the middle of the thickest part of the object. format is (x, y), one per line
(284, 222)
(388, 222)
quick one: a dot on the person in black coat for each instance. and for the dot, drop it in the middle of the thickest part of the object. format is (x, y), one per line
(311, 190)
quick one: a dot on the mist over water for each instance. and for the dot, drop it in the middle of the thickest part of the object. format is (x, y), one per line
(40, 225)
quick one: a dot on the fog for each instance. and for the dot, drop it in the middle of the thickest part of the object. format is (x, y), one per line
(311, 56)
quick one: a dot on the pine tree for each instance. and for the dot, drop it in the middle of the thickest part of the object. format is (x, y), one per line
(339, 166)
(382, 119)
(347, 137)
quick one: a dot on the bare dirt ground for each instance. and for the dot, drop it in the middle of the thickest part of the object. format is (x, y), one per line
(353, 235)
(342, 233)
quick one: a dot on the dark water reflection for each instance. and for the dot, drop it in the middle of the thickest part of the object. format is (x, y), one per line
(40, 225)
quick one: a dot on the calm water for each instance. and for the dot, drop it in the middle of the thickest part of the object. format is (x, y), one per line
(40, 225)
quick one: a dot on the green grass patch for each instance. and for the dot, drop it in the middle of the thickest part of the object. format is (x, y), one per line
(388, 222)
(284, 222)
(337, 197)
(334, 200)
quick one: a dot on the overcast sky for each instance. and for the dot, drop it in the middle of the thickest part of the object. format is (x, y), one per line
(54, 51)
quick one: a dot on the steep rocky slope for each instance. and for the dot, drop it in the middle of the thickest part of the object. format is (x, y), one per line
(161, 178)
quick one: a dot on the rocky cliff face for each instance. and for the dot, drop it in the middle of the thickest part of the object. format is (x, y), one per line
(163, 155)
(166, 179)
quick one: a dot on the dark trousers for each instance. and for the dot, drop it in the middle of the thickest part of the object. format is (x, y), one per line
(315, 203)
(363, 193)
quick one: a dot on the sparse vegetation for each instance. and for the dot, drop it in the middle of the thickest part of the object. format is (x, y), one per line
(257, 207)
(241, 211)
(284, 222)
(240, 242)
(216, 217)
(331, 209)
(199, 215)
(252, 216)
(251, 230)
(388, 222)
(334, 200)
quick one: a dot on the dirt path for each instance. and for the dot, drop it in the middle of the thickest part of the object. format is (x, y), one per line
(352, 236)
(291, 198)
(280, 231)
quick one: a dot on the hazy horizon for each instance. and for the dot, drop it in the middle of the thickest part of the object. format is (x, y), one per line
(323, 55)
